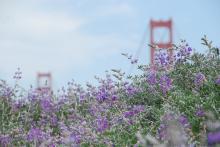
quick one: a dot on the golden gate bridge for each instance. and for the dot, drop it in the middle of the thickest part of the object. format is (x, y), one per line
(44, 79)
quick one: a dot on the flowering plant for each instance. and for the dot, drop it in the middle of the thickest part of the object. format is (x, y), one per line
(177, 96)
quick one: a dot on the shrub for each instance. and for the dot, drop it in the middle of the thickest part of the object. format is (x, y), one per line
(178, 95)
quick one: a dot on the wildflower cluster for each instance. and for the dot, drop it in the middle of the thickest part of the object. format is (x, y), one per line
(174, 102)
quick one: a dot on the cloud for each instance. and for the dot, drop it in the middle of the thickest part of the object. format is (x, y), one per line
(38, 23)
(37, 39)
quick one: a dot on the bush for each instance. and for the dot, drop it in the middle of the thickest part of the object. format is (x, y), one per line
(178, 95)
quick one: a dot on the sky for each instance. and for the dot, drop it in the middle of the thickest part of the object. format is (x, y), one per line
(78, 39)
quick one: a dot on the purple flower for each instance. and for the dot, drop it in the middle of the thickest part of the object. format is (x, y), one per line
(102, 95)
(184, 52)
(134, 111)
(131, 90)
(102, 124)
(114, 97)
(138, 109)
(52, 145)
(218, 80)
(76, 138)
(17, 105)
(162, 135)
(183, 120)
(189, 49)
(46, 105)
(93, 110)
(199, 79)
(130, 122)
(165, 84)
(200, 112)
(5, 140)
(128, 114)
(6, 92)
(151, 78)
(54, 120)
(213, 138)
(82, 97)
(35, 134)
(162, 58)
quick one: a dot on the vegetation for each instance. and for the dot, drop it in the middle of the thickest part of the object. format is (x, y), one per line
(175, 102)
